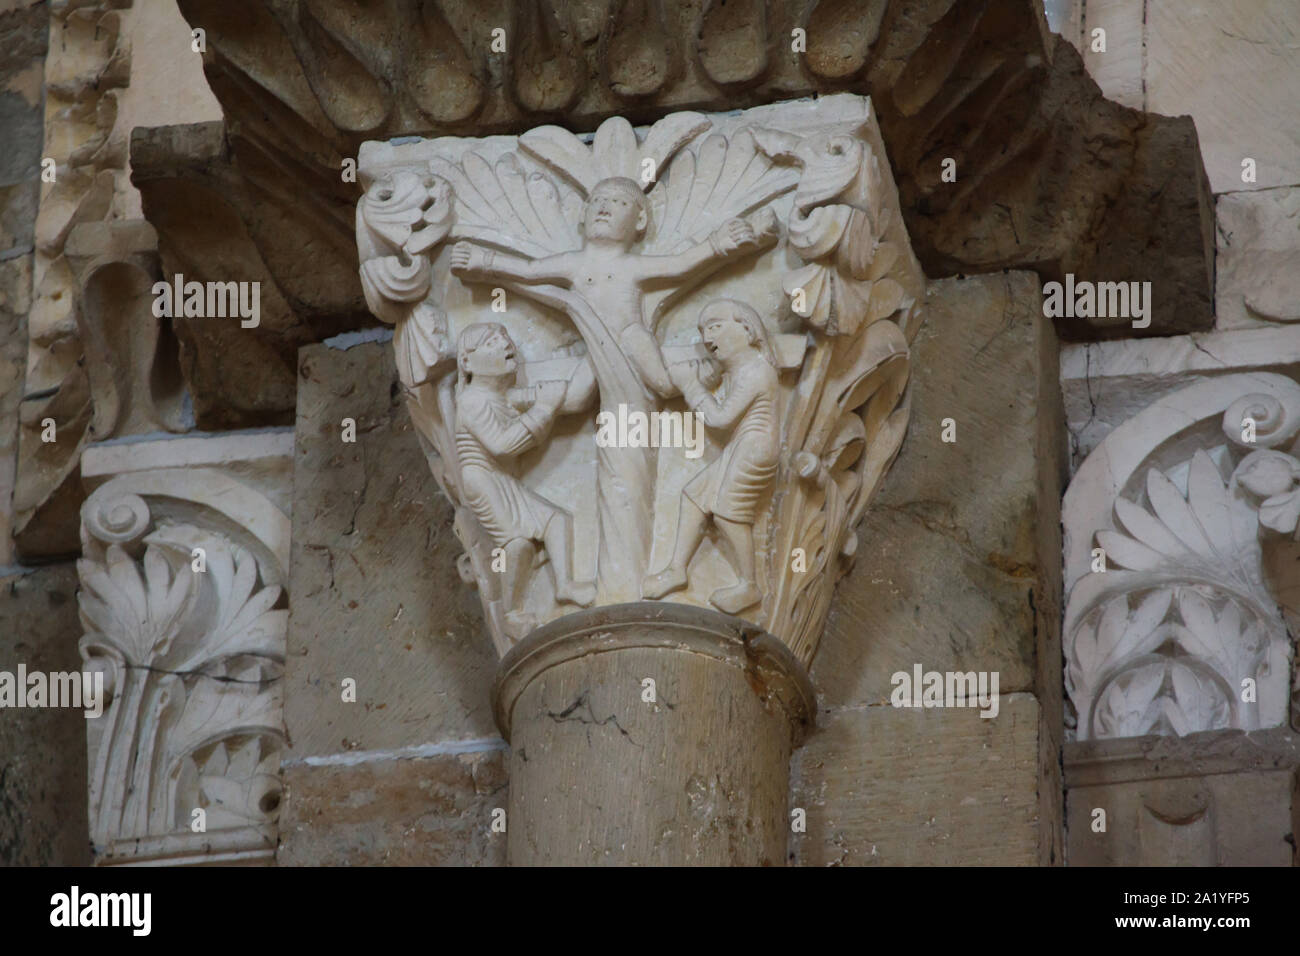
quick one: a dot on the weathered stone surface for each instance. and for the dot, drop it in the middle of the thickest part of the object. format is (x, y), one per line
(1050, 175)
(1118, 68)
(42, 751)
(366, 514)
(1166, 184)
(1258, 281)
(1225, 819)
(1231, 68)
(1235, 69)
(895, 787)
(1098, 763)
(99, 363)
(125, 379)
(18, 203)
(957, 565)
(15, 299)
(959, 571)
(24, 30)
(650, 734)
(431, 811)
(221, 222)
(23, 35)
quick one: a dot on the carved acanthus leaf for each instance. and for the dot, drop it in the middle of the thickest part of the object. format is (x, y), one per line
(190, 639)
(1172, 626)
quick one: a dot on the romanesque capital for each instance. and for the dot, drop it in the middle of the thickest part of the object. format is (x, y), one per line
(183, 603)
(1180, 528)
(666, 364)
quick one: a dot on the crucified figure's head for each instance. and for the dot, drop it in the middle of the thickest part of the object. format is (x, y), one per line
(616, 212)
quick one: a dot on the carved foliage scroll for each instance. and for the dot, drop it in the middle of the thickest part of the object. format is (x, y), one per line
(1180, 536)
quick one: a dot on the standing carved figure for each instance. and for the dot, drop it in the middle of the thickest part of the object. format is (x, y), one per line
(490, 435)
(730, 488)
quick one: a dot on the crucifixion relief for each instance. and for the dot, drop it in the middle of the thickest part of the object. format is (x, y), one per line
(749, 271)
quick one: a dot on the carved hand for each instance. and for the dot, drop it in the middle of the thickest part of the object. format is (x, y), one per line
(733, 235)
(692, 378)
(467, 257)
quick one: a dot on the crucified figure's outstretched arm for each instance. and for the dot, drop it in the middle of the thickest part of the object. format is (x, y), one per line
(488, 263)
(733, 237)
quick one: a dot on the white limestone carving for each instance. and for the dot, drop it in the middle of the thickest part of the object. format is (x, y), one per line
(182, 601)
(562, 305)
(1191, 504)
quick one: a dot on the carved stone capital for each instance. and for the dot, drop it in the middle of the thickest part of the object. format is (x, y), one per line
(666, 364)
(183, 576)
(1180, 530)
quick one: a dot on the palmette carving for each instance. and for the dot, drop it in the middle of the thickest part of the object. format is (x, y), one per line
(1173, 626)
(614, 367)
(188, 628)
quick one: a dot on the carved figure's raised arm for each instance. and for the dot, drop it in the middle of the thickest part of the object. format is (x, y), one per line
(719, 414)
(732, 237)
(505, 436)
(476, 262)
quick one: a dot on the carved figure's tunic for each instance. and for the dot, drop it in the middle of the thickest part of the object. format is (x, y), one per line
(489, 435)
(731, 486)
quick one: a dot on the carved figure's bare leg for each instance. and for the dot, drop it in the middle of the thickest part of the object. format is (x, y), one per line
(739, 541)
(558, 537)
(641, 347)
(690, 532)
(519, 559)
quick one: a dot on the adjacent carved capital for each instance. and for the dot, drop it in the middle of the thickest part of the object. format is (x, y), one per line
(100, 363)
(1190, 507)
(659, 365)
(183, 603)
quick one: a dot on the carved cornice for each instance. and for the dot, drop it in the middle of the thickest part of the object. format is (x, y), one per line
(1192, 507)
(183, 604)
(781, 222)
(303, 83)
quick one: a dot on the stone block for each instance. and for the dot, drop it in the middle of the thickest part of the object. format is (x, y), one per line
(18, 214)
(953, 571)
(960, 572)
(1117, 69)
(376, 594)
(1235, 68)
(1225, 819)
(15, 299)
(431, 811)
(891, 786)
(43, 818)
(1258, 263)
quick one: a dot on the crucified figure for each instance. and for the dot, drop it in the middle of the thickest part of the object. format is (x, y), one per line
(602, 286)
